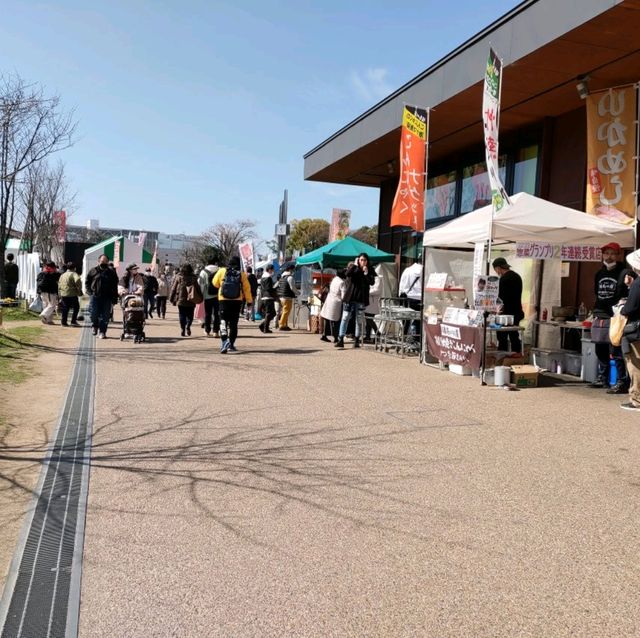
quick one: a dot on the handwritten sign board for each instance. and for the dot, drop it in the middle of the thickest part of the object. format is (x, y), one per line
(461, 345)
(437, 281)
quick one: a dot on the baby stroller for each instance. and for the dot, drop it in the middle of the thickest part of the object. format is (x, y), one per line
(133, 318)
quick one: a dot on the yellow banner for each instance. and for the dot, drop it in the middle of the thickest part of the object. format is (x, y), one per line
(611, 144)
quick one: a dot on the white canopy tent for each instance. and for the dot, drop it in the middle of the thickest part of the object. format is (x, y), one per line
(528, 219)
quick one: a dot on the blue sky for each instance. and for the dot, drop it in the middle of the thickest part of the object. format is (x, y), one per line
(194, 112)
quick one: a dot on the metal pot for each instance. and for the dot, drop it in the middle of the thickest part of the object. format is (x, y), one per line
(505, 320)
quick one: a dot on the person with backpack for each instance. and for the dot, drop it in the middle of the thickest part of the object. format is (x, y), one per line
(233, 290)
(287, 292)
(210, 294)
(268, 298)
(186, 294)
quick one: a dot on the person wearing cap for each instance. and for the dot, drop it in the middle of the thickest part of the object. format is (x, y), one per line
(510, 292)
(132, 282)
(226, 279)
(609, 288)
(631, 335)
(101, 283)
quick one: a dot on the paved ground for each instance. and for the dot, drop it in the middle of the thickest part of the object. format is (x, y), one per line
(296, 490)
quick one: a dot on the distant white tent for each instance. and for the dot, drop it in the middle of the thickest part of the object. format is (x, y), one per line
(529, 219)
(129, 252)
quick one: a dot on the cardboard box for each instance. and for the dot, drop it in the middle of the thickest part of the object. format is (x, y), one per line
(525, 376)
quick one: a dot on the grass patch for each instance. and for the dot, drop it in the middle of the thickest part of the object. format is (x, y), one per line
(14, 352)
(18, 314)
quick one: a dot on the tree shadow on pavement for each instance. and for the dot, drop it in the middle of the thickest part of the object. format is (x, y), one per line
(330, 468)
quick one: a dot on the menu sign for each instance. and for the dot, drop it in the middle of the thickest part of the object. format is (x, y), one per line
(461, 345)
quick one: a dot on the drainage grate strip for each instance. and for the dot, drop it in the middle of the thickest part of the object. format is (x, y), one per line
(42, 594)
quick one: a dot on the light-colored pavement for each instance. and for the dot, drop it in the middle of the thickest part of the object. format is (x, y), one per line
(295, 490)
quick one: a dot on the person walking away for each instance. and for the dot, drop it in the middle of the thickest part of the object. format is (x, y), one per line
(210, 294)
(410, 288)
(101, 283)
(359, 277)
(150, 292)
(631, 336)
(162, 295)
(70, 290)
(373, 309)
(609, 289)
(11, 277)
(287, 292)
(186, 294)
(47, 288)
(233, 289)
(268, 298)
(331, 310)
(510, 292)
(253, 284)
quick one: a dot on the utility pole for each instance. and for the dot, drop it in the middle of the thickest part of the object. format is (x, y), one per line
(282, 228)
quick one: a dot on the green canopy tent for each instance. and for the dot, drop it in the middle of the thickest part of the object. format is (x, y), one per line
(340, 252)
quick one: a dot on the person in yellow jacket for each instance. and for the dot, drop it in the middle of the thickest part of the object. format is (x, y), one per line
(233, 289)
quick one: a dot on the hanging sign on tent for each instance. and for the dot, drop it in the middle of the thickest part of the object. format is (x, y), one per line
(490, 120)
(408, 203)
(611, 168)
(543, 250)
(485, 292)
(116, 253)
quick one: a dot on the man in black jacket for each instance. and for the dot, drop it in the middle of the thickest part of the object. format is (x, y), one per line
(610, 288)
(150, 292)
(11, 277)
(101, 283)
(510, 292)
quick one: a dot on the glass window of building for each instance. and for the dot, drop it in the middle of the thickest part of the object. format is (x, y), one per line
(525, 170)
(441, 196)
(476, 190)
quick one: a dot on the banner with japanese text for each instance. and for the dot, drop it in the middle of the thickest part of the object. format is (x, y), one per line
(340, 222)
(565, 252)
(116, 253)
(491, 123)
(460, 345)
(611, 144)
(246, 254)
(408, 203)
(60, 224)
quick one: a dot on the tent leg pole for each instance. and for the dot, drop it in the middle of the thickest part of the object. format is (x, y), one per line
(483, 367)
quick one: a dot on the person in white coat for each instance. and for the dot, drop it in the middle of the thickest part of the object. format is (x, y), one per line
(331, 310)
(373, 309)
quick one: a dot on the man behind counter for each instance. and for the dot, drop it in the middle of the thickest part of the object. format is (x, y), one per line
(609, 289)
(510, 291)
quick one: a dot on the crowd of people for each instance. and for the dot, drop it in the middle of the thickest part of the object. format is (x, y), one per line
(348, 303)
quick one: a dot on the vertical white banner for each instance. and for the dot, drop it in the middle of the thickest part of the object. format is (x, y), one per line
(491, 122)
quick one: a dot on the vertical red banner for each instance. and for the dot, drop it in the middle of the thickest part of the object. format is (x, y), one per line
(408, 204)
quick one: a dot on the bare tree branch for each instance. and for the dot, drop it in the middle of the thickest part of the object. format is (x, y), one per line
(32, 127)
